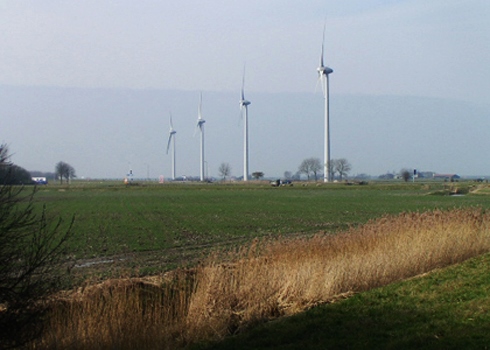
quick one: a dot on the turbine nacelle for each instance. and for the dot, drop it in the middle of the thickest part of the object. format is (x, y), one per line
(244, 103)
(324, 70)
(171, 130)
(200, 123)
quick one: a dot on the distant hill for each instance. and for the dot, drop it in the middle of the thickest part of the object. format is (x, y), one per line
(103, 133)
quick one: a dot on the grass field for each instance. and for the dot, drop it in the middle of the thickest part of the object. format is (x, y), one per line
(115, 219)
(154, 228)
(149, 228)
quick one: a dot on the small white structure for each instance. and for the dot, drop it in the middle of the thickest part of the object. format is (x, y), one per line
(40, 180)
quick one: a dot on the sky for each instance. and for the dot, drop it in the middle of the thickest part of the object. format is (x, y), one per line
(92, 83)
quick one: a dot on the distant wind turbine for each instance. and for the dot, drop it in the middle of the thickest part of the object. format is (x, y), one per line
(200, 126)
(244, 109)
(171, 139)
(323, 73)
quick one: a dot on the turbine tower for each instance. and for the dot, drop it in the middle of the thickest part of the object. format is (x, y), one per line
(200, 125)
(171, 139)
(244, 109)
(323, 73)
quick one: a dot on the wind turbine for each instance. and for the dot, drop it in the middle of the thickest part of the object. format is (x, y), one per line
(171, 139)
(200, 125)
(323, 73)
(244, 109)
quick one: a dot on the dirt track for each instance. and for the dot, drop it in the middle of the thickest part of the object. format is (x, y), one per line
(153, 261)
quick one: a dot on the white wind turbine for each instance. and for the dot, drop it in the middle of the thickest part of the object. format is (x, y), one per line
(323, 73)
(200, 125)
(244, 109)
(171, 139)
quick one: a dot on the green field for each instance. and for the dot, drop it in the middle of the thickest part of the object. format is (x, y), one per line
(166, 225)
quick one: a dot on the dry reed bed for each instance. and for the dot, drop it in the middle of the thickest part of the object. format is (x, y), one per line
(264, 281)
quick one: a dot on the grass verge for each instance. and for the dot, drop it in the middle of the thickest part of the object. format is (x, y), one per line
(445, 309)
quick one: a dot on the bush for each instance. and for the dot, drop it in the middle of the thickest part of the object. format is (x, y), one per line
(31, 252)
(11, 174)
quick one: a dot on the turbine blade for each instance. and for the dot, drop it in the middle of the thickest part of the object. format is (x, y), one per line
(200, 127)
(199, 115)
(168, 143)
(324, 79)
(323, 44)
(320, 80)
(321, 69)
(243, 83)
(199, 111)
(171, 124)
(240, 116)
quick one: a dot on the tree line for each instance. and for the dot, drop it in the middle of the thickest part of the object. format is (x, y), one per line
(313, 167)
(64, 171)
(225, 171)
(12, 174)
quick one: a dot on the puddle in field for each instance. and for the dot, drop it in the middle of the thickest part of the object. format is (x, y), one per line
(96, 262)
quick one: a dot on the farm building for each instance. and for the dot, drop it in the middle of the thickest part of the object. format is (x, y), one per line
(40, 180)
(447, 177)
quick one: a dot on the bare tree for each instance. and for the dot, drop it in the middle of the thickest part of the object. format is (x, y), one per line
(331, 168)
(64, 170)
(310, 166)
(316, 166)
(342, 167)
(288, 175)
(4, 154)
(224, 170)
(305, 168)
(405, 174)
(257, 175)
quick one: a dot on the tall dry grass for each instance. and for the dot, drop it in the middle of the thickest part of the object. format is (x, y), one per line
(129, 313)
(264, 281)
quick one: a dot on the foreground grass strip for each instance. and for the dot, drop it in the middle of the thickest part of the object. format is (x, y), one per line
(446, 309)
(265, 281)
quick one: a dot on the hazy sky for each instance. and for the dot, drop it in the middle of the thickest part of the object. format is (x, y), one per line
(415, 47)
(431, 49)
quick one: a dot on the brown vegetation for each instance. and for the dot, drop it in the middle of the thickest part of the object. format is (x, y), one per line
(263, 281)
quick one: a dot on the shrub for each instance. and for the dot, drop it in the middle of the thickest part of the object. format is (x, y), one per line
(31, 251)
